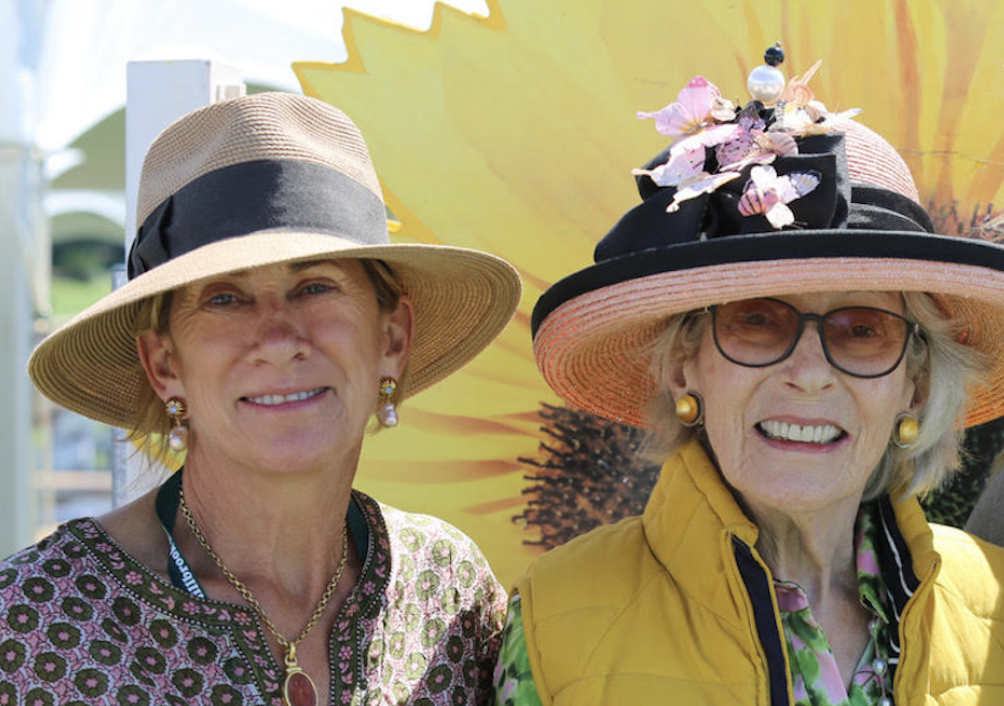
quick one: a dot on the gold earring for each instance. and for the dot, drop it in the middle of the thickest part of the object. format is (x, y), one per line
(690, 409)
(177, 438)
(907, 430)
(386, 412)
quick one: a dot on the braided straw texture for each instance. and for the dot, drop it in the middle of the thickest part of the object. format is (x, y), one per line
(872, 160)
(274, 126)
(461, 300)
(592, 350)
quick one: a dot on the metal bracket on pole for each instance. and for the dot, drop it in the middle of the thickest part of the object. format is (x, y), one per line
(158, 93)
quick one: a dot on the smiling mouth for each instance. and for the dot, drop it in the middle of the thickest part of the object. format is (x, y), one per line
(273, 400)
(810, 434)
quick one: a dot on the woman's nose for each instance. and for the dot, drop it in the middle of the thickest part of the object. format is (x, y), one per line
(278, 334)
(807, 367)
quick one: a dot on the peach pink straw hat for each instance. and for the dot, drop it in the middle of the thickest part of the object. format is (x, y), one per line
(259, 180)
(757, 202)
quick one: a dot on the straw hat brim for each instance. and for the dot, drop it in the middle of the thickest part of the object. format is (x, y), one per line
(461, 300)
(593, 331)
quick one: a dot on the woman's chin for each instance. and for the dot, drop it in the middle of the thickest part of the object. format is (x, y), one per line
(798, 493)
(292, 450)
(797, 483)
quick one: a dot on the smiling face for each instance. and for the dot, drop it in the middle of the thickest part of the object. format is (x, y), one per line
(799, 435)
(279, 365)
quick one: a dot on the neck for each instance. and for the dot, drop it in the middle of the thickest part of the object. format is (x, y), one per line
(267, 526)
(813, 549)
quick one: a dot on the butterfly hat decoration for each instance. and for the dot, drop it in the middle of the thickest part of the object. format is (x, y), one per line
(701, 119)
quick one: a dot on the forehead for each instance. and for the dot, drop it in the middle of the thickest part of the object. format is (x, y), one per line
(351, 269)
(347, 265)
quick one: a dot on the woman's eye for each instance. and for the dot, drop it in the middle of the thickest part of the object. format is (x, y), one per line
(316, 288)
(223, 299)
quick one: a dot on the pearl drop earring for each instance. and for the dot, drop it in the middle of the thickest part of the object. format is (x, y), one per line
(177, 438)
(386, 412)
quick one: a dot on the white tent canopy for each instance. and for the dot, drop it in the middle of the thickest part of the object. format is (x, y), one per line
(84, 46)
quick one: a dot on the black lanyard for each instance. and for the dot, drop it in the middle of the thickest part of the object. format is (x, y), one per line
(182, 576)
(168, 501)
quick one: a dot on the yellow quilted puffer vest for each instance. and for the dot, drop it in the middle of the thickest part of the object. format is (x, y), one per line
(676, 607)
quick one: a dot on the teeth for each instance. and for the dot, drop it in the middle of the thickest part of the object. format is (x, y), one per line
(823, 434)
(270, 400)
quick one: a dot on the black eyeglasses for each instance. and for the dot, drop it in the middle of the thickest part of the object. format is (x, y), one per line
(861, 341)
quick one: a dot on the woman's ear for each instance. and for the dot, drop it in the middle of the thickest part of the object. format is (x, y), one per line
(398, 328)
(681, 373)
(156, 356)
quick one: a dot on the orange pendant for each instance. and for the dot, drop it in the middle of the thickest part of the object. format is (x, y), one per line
(298, 689)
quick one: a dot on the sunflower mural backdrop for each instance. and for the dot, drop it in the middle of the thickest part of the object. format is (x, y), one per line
(516, 133)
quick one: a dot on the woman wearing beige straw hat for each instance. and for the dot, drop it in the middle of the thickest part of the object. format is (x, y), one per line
(267, 320)
(778, 313)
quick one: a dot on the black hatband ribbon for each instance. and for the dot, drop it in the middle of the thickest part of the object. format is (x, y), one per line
(835, 204)
(284, 196)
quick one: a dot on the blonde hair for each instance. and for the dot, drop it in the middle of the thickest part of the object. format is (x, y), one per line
(152, 423)
(943, 370)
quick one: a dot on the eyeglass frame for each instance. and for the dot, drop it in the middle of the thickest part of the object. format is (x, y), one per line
(913, 328)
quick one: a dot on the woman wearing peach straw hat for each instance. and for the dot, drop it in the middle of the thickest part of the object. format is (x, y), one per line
(266, 320)
(805, 352)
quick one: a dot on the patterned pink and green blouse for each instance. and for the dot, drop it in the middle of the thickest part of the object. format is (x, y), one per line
(814, 674)
(82, 622)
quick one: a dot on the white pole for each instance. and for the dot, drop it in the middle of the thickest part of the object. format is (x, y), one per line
(159, 92)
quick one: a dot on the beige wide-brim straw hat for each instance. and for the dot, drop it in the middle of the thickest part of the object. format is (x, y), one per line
(259, 180)
(862, 229)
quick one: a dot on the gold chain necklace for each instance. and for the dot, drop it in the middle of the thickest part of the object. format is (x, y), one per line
(298, 688)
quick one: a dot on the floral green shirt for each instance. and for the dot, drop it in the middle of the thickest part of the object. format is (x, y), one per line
(513, 678)
(815, 677)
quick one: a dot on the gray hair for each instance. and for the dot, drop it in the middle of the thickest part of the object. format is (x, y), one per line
(943, 370)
